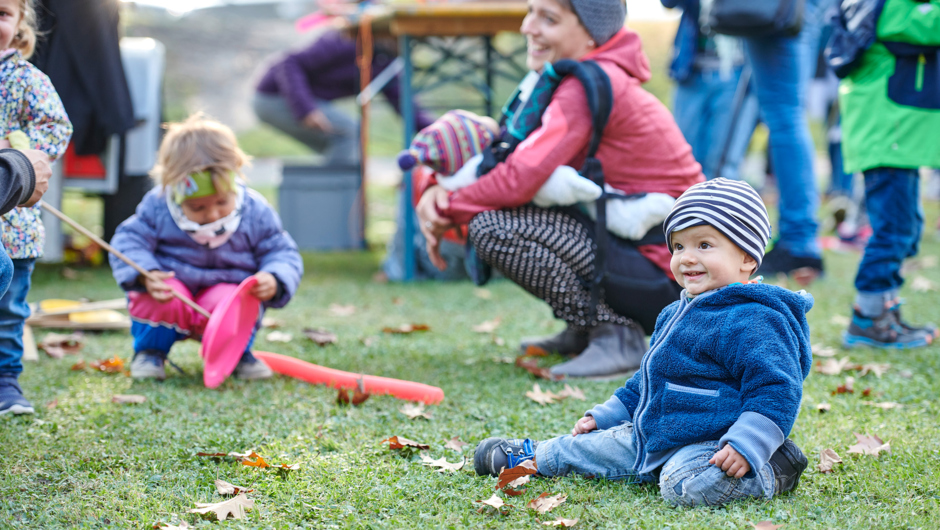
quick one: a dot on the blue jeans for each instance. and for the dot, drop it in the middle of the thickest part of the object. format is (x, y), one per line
(897, 222)
(702, 108)
(782, 67)
(13, 314)
(685, 479)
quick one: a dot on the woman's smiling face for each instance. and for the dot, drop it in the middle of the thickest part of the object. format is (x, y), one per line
(553, 32)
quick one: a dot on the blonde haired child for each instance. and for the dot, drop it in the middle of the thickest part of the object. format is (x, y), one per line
(200, 231)
(31, 117)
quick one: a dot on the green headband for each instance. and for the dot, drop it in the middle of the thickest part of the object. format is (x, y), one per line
(198, 185)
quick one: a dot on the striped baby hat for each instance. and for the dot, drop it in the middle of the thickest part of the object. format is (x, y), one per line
(730, 206)
(448, 143)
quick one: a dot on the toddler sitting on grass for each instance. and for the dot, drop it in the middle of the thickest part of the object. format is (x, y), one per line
(709, 411)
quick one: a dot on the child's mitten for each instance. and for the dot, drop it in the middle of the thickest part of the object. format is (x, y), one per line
(564, 188)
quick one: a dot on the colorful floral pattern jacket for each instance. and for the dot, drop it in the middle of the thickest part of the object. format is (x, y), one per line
(30, 104)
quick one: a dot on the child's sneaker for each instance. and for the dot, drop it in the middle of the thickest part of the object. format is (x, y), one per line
(148, 364)
(494, 454)
(885, 331)
(11, 397)
(788, 463)
(929, 329)
(250, 367)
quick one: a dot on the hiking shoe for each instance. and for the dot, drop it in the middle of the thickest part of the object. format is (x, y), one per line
(804, 269)
(11, 397)
(148, 364)
(250, 367)
(929, 329)
(612, 350)
(885, 331)
(568, 342)
(494, 454)
(788, 463)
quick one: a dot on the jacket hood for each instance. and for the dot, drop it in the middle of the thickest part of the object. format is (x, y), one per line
(793, 304)
(626, 51)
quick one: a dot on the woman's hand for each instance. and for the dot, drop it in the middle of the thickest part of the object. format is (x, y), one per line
(266, 287)
(731, 462)
(157, 288)
(432, 224)
(318, 121)
(584, 425)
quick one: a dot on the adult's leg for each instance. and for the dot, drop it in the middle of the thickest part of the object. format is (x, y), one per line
(689, 108)
(606, 453)
(341, 146)
(688, 479)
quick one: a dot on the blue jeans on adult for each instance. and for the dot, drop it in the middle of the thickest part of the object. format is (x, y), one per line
(685, 479)
(13, 314)
(782, 67)
(897, 222)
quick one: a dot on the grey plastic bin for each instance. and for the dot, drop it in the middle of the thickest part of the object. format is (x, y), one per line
(321, 206)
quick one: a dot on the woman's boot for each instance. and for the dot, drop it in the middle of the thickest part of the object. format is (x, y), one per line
(568, 342)
(612, 349)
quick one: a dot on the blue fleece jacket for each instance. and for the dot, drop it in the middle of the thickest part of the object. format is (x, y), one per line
(727, 365)
(151, 238)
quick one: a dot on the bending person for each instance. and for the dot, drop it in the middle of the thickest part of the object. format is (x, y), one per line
(550, 251)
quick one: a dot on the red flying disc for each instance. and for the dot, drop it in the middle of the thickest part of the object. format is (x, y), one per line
(228, 332)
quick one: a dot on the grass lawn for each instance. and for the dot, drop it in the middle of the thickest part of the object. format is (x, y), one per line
(83, 461)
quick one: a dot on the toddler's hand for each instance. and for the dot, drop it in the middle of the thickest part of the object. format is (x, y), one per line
(156, 288)
(731, 462)
(266, 287)
(584, 425)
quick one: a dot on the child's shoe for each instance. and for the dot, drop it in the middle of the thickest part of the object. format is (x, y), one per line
(148, 364)
(250, 367)
(929, 329)
(788, 463)
(11, 397)
(569, 342)
(885, 331)
(494, 454)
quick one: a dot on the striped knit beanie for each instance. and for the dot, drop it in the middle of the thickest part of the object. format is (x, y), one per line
(448, 143)
(730, 206)
(602, 18)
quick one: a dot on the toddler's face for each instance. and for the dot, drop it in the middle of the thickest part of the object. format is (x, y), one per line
(209, 209)
(704, 259)
(9, 22)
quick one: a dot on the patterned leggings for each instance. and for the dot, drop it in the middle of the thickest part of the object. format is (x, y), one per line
(548, 253)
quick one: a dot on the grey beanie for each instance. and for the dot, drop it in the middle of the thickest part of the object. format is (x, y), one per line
(602, 18)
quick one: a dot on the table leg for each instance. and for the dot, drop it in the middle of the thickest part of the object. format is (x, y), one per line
(408, 117)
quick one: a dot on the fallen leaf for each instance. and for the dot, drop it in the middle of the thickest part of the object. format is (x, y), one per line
(279, 336)
(572, 392)
(128, 398)
(342, 396)
(287, 467)
(918, 263)
(524, 469)
(827, 459)
(442, 463)
(225, 488)
(234, 507)
(540, 397)
(255, 460)
(906, 374)
(270, 322)
(342, 310)
(414, 411)
(358, 397)
(487, 327)
(499, 341)
(846, 388)
(397, 442)
(483, 293)
(544, 503)
(823, 351)
(57, 345)
(767, 525)
(866, 392)
(455, 444)
(113, 365)
(531, 365)
(869, 445)
(888, 405)
(840, 320)
(512, 489)
(166, 526)
(494, 502)
(534, 351)
(879, 369)
(52, 404)
(368, 341)
(321, 336)
(824, 407)
(832, 366)
(922, 285)
(214, 455)
(79, 366)
(405, 329)
(567, 523)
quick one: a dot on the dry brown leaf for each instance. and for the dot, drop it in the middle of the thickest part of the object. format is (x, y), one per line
(827, 459)
(483, 293)
(166, 526)
(540, 397)
(279, 336)
(57, 345)
(534, 351)
(487, 327)
(524, 469)
(455, 444)
(128, 398)
(832, 366)
(287, 467)
(52, 404)
(405, 329)
(442, 463)
(233, 507)
(545, 503)
(512, 489)
(767, 525)
(226, 488)
(823, 351)
(414, 411)
(342, 310)
(255, 460)
(214, 455)
(321, 336)
(572, 392)
(846, 388)
(869, 445)
(824, 407)
(567, 523)
(887, 405)
(494, 502)
(358, 397)
(79, 366)
(531, 365)
(840, 320)
(270, 322)
(114, 365)
(922, 285)
(879, 369)
(397, 442)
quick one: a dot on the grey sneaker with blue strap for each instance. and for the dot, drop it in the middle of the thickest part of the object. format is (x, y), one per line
(494, 454)
(149, 364)
(885, 331)
(11, 397)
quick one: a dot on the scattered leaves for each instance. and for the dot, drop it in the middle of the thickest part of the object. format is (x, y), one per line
(922, 285)
(225, 488)
(832, 366)
(321, 336)
(767, 525)
(887, 405)
(512, 489)
(506, 476)
(572, 392)
(57, 345)
(128, 398)
(397, 442)
(442, 464)
(534, 351)
(545, 503)
(869, 445)
(487, 327)
(114, 365)
(279, 336)
(358, 396)
(414, 411)
(455, 444)
(405, 329)
(342, 310)
(566, 523)
(824, 407)
(878, 369)
(271, 322)
(540, 397)
(79, 366)
(494, 502)
(166, 526)
(287, 467)
(823, 351)
(531, 365)
(827, 459)
(223, 510)
(254, 460)
(846, 388)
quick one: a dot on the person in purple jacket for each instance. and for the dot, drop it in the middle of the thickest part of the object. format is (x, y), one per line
(295, 95)
(200, 231)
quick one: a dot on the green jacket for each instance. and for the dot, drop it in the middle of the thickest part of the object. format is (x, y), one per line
(890, 104)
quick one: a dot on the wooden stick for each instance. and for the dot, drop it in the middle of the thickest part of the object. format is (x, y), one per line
(145, 273)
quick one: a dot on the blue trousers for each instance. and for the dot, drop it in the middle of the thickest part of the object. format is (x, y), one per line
(685, 479)
(13, 312)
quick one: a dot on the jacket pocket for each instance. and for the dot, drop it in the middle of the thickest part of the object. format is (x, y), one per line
(692, 390)
(916, 78)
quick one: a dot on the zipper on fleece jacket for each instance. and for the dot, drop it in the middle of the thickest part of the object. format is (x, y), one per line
(921, 65)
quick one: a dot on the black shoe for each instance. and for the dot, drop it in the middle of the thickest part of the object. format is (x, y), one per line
(569, 342)
(780, 260)
(788, 463)
(494, 454)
